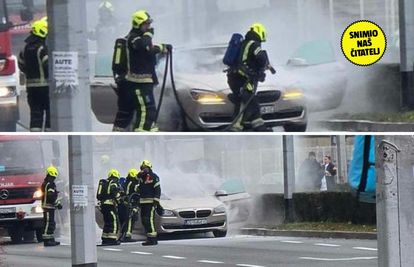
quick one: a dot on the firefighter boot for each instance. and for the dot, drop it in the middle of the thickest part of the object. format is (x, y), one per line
(151, 241)
(50, 243)
(110, 242)
(128, 239)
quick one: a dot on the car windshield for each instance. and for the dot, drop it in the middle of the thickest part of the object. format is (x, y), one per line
(200, 60)
(20, 157)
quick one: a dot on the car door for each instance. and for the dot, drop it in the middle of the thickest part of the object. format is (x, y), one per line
(236, 199)
(319, 74)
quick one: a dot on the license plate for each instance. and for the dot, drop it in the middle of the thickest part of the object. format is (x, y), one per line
(267, 109)
(7, 210)
(195, 222)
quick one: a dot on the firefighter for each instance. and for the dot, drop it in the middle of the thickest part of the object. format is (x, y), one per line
(33, 61)
(131, 191)
(140, 79)
(110, 196)
(245, 76)
(50, 202)
(149, 200)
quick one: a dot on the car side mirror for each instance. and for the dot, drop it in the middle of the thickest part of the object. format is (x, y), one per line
(220, 193)
(296, 62)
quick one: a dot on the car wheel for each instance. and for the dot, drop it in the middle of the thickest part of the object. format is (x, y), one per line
(220, 233)
(16, 234)
(295, 127)
(28, 236)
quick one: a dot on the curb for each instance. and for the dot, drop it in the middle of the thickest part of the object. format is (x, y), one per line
(309, 233)
(366, 126)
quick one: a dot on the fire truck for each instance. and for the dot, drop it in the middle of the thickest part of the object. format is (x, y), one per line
(15, 18)
(23, 161)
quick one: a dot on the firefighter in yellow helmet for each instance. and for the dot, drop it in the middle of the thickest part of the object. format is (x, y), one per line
(109, 196)
(131, 191)
(33, 61)
(149, 200)
(137, 93)
(243, 78)
(50, 202)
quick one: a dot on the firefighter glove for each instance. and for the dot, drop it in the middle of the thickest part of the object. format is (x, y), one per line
(59, 207)
(169, 47)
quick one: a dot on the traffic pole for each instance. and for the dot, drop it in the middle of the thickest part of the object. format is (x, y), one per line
(342, 159)
(289, 176)
(69, 66)
(395, 200)
(406, 11)
(82, 204)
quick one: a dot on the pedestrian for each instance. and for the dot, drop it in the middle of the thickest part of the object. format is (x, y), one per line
(109, 196)
(149, 200)
(33, 61)
(243, 79)
(328, 180)
(310, 173)
(50, 202)
(131, 191)
(136, 92)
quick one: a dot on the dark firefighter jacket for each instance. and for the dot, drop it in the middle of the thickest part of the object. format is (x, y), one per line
(34, 62)
(141, 56)
(252, 54)
(49, 193)
(113, 193)
(149, 188)
(131, 185)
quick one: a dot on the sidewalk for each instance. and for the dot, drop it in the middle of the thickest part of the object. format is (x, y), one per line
(308, 233)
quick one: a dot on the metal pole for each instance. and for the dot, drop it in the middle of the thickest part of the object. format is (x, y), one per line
(342, 160)
(406, 11)
(82, 208)
(70, 81)
(289, 176)
(361, 9)
(395, 199)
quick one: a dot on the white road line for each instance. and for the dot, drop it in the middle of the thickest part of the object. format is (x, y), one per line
(363, 248)
(214, 262)
(64, 244)
(112, 249)
(293, 242)
(141, 253)
(248, 265)
(340, 259)
(174, 257)
(326, 245)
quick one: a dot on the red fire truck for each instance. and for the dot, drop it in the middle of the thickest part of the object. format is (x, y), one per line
(23, 161)
(15, 18)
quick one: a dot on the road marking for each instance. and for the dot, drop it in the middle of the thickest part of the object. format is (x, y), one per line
(130, 243)
(205, 261)
(341, 259)
(363, 248)
(64, 244)
(326, 245)
(141, 253)
(248, 265)
(293, 242)
(112, 249)
(174, 257)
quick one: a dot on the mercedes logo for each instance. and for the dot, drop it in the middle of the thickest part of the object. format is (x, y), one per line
(4, 194)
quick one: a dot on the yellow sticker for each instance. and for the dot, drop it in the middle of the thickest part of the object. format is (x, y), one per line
(363, 43)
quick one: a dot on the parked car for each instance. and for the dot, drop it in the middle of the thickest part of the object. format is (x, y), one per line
(312, 78)
(195, 213)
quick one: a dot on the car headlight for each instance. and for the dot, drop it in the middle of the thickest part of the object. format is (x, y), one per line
(207, 97)
(38, 194)
(168, 213)
(220, 209)
(8, 91)
(292, 94)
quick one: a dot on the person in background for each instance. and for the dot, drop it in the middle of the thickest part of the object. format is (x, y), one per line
(328, 181)
(310, 173)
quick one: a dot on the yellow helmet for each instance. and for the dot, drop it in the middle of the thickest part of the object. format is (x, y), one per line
(133, 173)
(52, 171)
(44, 18)
(105, 159)
(107, 6)
(145, 163)
(260, 30)
(39, 28)
(114, 173)
(140, 17)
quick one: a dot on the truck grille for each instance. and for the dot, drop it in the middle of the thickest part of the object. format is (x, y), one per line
(265, 97)
(21, 193)
(203, 213)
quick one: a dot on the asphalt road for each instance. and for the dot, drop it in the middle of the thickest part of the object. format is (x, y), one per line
(236, 250)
